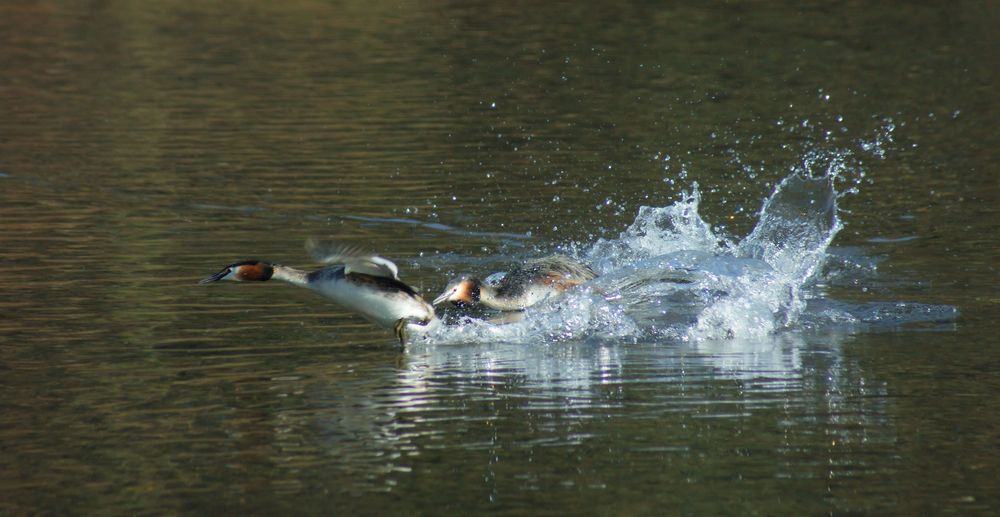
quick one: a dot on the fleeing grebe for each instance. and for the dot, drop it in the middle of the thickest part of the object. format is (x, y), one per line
(366, 284)
(522, 286)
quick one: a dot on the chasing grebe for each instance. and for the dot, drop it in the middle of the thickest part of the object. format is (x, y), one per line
(522, 286)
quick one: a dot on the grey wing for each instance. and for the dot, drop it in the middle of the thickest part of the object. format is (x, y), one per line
(354, 258)
(564, 265)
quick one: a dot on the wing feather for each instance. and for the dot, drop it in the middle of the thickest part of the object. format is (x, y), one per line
(354, 258)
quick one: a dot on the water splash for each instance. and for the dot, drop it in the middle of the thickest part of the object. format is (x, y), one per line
(658, 231)
(669, 276)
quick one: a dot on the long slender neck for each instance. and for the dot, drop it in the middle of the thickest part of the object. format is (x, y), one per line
(291, 275)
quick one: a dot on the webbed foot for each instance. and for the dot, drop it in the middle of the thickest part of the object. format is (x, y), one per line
(400, 329)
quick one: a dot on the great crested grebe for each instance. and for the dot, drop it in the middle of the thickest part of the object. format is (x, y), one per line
(366, 284)
(522, 286)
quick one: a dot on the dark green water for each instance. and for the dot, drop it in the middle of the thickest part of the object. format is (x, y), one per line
(144, 145)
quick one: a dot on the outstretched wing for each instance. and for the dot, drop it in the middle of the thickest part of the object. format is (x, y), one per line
(354, 258)
(563, 266)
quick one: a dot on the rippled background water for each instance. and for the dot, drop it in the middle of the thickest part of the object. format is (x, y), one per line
(144, 145)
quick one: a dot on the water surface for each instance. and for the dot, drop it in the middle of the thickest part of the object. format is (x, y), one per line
(144, 146)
